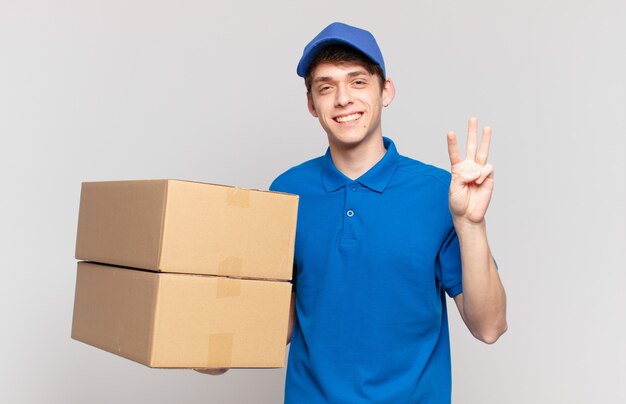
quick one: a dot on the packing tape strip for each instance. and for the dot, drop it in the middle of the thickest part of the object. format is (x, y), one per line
(230, 266)
(220, 349)
(227, 287)
(238, 197)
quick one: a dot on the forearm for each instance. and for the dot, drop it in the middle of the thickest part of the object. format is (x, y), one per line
(484, 299)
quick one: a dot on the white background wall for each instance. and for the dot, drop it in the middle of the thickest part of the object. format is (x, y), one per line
(207, 91)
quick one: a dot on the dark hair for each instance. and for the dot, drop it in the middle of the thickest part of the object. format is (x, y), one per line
(343, 54)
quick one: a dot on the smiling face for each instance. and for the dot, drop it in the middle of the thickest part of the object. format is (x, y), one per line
(348, 100)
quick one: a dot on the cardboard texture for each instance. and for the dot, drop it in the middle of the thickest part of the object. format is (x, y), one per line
(188, 227)
(181, 321)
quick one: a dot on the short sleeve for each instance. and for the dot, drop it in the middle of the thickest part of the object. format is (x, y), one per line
(276, 186)
(448, 265)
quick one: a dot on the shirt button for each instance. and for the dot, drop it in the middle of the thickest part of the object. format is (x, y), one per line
(350, 213)
(353, 189)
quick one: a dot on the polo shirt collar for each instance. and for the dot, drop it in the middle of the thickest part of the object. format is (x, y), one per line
(376, 178)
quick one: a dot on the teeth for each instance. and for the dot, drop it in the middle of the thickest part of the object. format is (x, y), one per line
(348, 118)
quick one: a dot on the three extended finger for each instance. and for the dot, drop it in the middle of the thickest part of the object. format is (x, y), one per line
(472, 138)
(453, 149)
(483, 151)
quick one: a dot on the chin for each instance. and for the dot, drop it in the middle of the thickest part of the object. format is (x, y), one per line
(349, 139)
(346, 141)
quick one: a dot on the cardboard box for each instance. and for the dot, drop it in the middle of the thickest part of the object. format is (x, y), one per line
(188, 227)
(182, 321)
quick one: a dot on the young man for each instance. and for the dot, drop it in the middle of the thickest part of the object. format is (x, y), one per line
(380, 238)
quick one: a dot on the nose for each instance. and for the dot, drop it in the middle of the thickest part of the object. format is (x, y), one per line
(342, 96)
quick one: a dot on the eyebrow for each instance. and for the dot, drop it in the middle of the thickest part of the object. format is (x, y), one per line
(350, 74)
(357, 73)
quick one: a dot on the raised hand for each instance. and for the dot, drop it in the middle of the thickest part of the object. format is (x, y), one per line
(472, 179)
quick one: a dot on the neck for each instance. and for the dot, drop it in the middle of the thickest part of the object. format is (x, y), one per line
(356, 161)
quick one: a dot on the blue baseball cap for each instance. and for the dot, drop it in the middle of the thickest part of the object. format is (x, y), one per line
(339, 33)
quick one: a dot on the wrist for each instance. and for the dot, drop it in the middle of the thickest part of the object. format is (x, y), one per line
(465, 225)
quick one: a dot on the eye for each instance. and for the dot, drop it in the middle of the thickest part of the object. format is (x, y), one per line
(360, 83)
(324, 89)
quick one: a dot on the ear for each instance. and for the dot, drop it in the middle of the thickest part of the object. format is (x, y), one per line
(389, 92)
(310, 105)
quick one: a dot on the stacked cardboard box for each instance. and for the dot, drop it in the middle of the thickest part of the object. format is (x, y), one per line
(180, 274)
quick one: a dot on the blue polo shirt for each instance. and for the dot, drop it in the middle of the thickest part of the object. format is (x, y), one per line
(373, 258)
